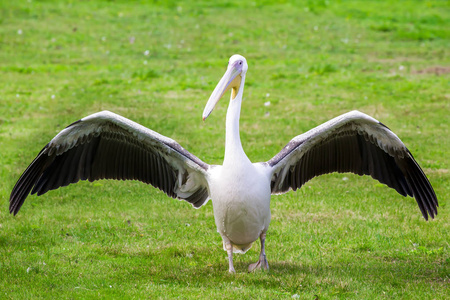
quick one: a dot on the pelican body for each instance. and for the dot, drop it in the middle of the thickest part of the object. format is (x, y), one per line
(108, 146)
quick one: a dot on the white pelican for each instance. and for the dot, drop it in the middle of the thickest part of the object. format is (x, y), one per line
(108, 146)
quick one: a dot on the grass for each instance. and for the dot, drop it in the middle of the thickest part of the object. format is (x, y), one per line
(157, 63)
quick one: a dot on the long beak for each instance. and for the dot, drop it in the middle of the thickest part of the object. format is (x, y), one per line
(231, 79)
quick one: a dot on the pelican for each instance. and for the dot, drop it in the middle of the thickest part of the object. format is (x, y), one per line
(105, 145)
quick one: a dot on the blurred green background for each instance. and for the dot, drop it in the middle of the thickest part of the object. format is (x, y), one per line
(156, 62)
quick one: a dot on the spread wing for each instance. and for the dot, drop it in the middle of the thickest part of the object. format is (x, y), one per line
(357, 143)
(108, 146)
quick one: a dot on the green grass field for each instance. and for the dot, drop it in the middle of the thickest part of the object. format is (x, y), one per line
(157, 64)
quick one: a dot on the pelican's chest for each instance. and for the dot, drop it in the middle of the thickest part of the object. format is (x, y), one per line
(239, 184)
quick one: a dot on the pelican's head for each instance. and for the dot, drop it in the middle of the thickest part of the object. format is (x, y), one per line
(232, 79)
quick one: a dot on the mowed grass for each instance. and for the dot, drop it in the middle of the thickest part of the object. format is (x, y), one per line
(340, 237)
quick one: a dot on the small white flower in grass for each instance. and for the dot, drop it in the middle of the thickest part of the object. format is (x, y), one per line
(28, 269)
(267, 103)
(401, 68)
(267, 95)
(146, 52)
(17, 95)
(110, 286)
(53, 96)
(145, 62)
(187, 224)
(19, 31)
(295, 296)
(345, 178)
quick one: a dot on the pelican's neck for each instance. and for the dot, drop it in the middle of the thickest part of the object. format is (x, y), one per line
(234, 153)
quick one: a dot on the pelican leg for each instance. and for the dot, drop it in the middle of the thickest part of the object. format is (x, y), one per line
(262, 262)
(229, 248)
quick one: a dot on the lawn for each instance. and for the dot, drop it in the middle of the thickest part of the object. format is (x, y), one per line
(340, 237)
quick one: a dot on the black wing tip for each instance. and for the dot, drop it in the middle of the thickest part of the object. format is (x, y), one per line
(15, 203)
(423, 191)
(430, 213)
(27, 181)
(14, 212)
(15, 200)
